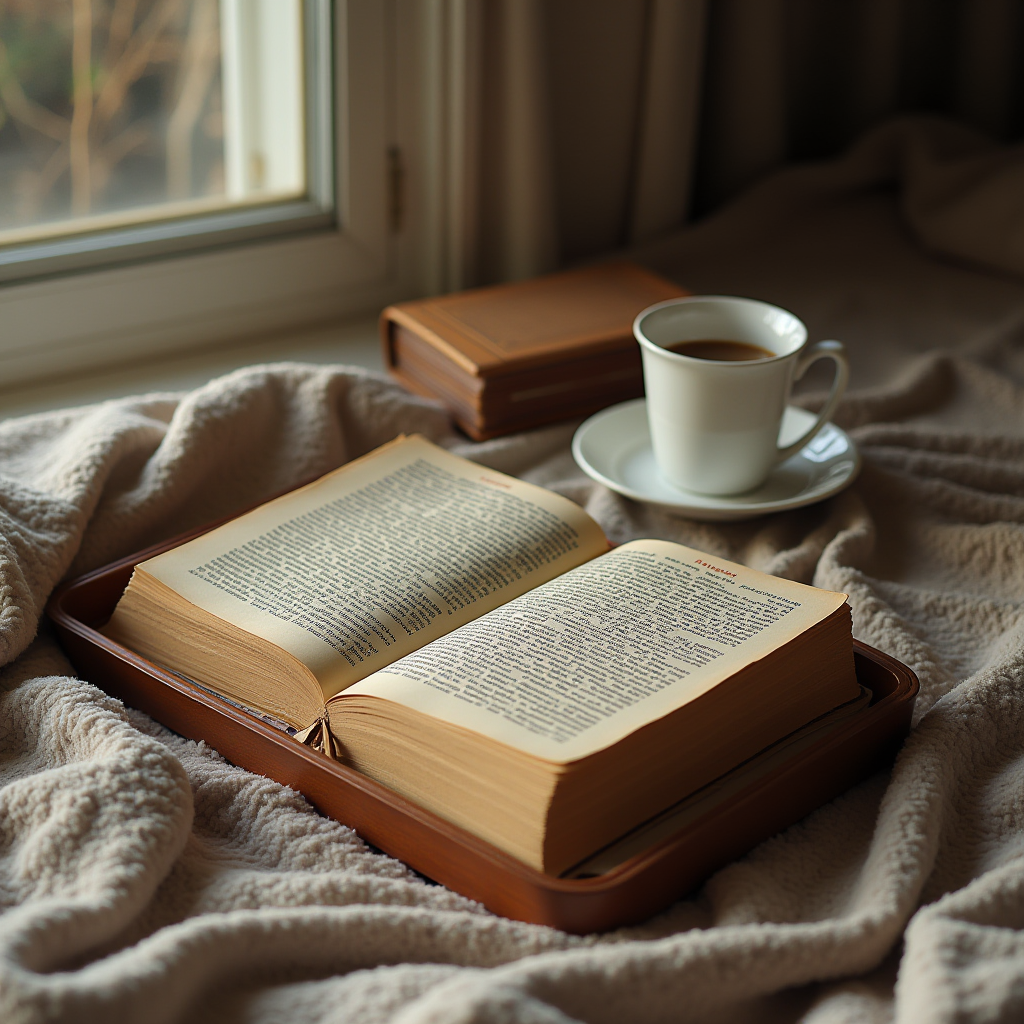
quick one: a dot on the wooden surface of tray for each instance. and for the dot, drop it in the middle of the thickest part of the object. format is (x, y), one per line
(629, 893)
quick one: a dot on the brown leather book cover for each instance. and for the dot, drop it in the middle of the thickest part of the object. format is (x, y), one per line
(514, 356)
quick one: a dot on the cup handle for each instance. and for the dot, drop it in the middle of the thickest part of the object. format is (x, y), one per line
(822, 350)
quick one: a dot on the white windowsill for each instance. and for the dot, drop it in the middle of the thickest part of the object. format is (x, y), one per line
(356, 344)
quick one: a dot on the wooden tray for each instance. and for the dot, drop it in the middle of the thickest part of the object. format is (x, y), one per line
(627, 894)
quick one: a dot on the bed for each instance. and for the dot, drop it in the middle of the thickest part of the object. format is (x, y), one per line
(144, 878)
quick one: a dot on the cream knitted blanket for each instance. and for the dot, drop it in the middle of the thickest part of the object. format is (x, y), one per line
(142, 878)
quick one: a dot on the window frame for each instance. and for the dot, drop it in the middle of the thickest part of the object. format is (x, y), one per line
(149, 306)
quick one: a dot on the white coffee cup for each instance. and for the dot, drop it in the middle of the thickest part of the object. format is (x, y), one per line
(715, 424)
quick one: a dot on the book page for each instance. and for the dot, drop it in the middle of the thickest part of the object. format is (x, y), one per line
(583, 661)
(380, 557)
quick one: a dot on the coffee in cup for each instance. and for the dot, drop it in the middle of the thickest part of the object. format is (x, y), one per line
(720, 350)
(718, 372)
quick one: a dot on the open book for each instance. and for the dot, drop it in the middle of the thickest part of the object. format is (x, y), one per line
(469, 640)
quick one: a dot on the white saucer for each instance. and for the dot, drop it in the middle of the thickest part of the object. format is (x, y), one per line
(614, 448)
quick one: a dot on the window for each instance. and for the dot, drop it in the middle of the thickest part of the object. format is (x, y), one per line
(133, 127)
(179, 172)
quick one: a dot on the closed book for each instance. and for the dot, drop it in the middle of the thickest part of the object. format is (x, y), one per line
(516, 356)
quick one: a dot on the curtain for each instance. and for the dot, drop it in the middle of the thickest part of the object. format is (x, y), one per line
(601, 123)
(801, 79)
